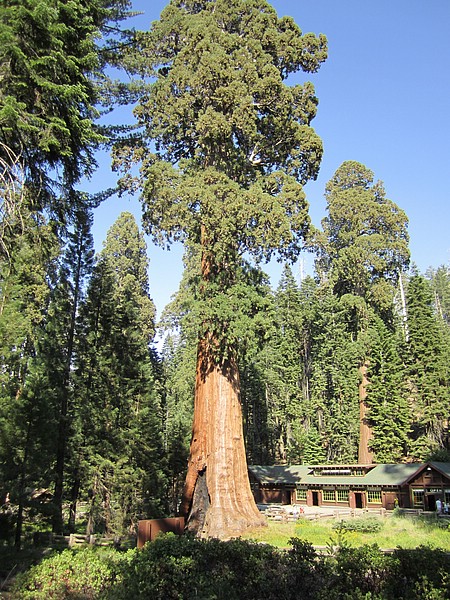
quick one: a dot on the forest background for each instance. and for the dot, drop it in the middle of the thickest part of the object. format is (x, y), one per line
(92, 414)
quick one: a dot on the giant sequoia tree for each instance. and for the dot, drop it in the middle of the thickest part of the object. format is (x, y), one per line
(226, 147)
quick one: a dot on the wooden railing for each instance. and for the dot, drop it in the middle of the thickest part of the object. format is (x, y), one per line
(44, 538)
(277, 513)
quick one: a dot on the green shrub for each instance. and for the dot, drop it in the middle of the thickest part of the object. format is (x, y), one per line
(419, 573)
(184, 568)
(357, 573)
(71, 574)
(362, 525)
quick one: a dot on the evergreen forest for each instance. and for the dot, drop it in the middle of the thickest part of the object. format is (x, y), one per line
(349, 365)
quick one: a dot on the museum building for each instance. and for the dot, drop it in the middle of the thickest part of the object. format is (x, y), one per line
(409, 485)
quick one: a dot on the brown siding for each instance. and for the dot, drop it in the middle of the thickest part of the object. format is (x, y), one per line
(275, 496)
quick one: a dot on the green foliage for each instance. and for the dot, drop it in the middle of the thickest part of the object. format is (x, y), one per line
(360, 573)
(222, 170)
(69, 574)
(173, 567)
(364, 245)
(27, 425)
(334, 377)
(51, 67)
(426, 358)
(185, 567)
(389, 412)
(118, 389)
(420, 573)
(364, 524)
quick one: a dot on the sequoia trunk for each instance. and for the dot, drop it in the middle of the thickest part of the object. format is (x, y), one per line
(217, 498)
(365, 456)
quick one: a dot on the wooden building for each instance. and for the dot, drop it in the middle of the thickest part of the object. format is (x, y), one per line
(412, 485)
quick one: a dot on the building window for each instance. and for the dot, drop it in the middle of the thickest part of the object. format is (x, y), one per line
(328, 496)
(300, 495)
(447, 496)
(357, 472)
(374, 496)
(417, 497)
(342, 495)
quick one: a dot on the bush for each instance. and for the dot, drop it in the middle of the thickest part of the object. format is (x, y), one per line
(185, 567)
(420, 573)
(71, 574)
(362, 525)
(358, 573)
(182, 568)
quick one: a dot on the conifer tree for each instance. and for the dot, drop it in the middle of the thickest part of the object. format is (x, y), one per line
(226, 147)
(26, 419)
(51, 69)
(334, 378)
(363, 248)
(57, 346)
(118, 387)
(389, 411)
(286, 374)
(428, 372)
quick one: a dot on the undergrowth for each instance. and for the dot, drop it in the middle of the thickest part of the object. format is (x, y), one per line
(184, 568)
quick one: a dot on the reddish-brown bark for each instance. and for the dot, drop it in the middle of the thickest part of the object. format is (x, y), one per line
(365, 456)
(217, 499)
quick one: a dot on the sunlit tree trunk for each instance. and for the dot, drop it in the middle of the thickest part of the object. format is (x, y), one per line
(217, 499)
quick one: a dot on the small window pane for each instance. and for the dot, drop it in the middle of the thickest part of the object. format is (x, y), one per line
(328, 496)
(418, 498)
(342, 495)
(300, 495)
(374, 496)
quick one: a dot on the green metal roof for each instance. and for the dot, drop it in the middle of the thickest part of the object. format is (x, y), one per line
(279, 474)
(378, 475)
(444, 468)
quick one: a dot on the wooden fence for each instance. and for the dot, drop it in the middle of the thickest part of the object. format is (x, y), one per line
(281, 514)
(44, 538)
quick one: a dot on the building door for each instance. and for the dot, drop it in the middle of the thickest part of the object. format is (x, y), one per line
(431, 502)
(359, 500)
(315, 498)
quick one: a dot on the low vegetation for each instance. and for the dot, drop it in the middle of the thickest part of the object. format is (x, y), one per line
(350, 564)
(386, 533)
(185, 567)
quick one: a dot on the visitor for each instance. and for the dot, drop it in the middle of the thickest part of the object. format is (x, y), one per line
(438, 506)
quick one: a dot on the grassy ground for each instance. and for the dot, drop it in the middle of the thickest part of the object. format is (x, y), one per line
(406, 532)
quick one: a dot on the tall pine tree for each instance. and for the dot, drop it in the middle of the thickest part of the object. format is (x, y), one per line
(427, 372)
(118, 388)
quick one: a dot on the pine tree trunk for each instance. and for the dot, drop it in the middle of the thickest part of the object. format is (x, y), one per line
(217, 499)
(365, 456)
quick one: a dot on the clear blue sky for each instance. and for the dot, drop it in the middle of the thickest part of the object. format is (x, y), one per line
(383, 101)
